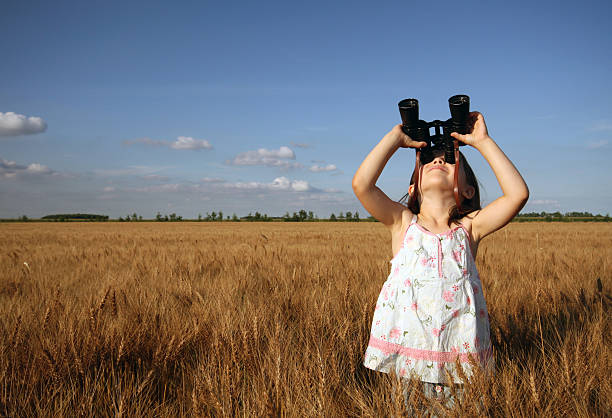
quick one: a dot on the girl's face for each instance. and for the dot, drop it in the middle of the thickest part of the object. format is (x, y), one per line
(438, 174)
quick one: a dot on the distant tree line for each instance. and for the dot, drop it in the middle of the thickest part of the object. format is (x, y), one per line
(300, 216)
(168, 218)
(561, 217)
(68, 216)
(130, 218)
(348, 217)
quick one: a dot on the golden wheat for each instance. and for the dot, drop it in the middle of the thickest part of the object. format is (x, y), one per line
(260, 319)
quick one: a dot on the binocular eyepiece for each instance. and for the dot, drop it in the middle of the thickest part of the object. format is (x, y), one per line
(418, 129)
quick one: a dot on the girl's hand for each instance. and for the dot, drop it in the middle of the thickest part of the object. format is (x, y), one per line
(403, 140)
(476, 124)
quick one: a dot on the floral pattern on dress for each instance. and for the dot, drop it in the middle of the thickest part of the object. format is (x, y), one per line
(431, 310)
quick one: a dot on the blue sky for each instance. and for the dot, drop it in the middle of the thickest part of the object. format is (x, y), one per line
(192, 107)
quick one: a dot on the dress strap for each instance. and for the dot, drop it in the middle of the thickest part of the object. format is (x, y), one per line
(414, 218)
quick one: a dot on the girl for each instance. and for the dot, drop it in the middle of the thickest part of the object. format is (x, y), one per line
(431, 308)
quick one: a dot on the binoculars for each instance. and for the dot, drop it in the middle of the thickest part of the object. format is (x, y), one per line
(418, 130)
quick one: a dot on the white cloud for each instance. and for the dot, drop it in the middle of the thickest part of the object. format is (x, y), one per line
(181, 143)
(597, 144)
(38, 168)
(8, 164)
(10, 169)
(109, 189)
(13, 124)
(187, 142)
(212, 180)
(216, 188)
(300, 186)
(319, 168)
(272, 158)
(279, 184)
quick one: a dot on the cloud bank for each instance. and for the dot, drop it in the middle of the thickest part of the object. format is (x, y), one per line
(10, 169)
(181, 143)
(279, 183)
(265, 157)
(319, 168)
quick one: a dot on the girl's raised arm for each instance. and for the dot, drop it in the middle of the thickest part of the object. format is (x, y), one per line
(371, 197)
(501, 211)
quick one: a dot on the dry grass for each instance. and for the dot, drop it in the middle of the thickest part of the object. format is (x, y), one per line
(235, 319)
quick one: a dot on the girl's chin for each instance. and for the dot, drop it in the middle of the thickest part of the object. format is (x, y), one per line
(438, 185)
(448, 188)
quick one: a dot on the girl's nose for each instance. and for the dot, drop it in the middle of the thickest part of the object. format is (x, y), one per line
(439, 160)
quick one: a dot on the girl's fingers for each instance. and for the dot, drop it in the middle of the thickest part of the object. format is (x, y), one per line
(418, 144)
(459, 136)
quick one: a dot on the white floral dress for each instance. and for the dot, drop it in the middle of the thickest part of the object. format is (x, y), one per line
(431, 309)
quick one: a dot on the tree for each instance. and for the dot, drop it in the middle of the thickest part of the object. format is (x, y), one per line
(349, 216)
(356, 216)
(213, 216)
(234, 217)
(158, 217)
(340, 216)
(220, 216)
(310, 215)
(332, 217)
(199, 217)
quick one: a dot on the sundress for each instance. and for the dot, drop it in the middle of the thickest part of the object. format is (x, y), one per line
(431, 310)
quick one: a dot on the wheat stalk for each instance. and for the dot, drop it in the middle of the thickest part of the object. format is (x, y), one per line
(15, 333)
(534, 391)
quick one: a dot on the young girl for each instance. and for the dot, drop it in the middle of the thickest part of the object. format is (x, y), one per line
(431, 308)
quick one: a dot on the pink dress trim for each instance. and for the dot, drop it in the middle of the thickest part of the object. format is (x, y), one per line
(388, 347)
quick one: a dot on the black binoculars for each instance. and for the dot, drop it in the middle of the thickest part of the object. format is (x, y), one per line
(418, 130)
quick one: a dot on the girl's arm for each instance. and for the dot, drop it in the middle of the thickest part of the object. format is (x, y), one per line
(501, 211)
(371, 197)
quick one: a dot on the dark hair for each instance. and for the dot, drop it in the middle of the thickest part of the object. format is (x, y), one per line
(467, 205)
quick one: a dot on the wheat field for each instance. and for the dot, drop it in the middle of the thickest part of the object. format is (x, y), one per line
(273, 319)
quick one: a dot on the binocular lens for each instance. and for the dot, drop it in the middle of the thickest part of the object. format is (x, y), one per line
(428, 154)
(460, 108)
(409, 111)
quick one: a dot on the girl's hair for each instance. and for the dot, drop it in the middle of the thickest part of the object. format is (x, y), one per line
(467, 205)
